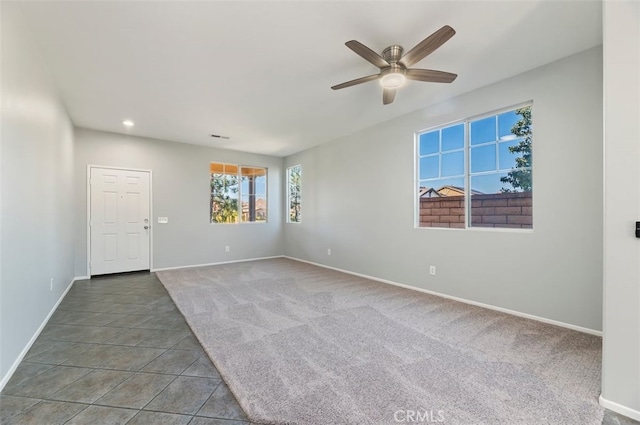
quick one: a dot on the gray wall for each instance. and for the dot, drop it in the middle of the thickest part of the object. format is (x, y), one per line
(621, 357)
(181, 193)
(36, 239)
(358, 199)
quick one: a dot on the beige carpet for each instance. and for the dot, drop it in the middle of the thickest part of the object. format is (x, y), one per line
(300, 344)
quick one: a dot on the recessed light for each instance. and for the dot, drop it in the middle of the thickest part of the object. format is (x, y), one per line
(127, 123)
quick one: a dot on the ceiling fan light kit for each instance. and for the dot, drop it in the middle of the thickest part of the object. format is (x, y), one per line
(395, 67)
(393, 77)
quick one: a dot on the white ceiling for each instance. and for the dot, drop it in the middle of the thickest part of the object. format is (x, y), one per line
(260, 72)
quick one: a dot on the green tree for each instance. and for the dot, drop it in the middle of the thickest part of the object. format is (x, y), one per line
(520, 178)
(224, 208)
(294, 194)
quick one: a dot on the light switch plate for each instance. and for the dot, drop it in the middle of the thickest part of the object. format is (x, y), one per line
(163, 220)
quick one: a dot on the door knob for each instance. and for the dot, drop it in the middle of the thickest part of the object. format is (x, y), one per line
(146, 227)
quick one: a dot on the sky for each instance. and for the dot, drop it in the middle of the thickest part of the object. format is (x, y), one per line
(442, 159)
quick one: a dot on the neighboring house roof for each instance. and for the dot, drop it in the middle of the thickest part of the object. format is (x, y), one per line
(444, 191)
(451, 191)
(428, 192)
(261, 205)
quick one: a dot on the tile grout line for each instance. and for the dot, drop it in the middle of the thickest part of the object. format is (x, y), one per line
(91, 328)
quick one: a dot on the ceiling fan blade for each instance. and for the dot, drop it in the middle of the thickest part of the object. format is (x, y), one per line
(427, 46)
(388, 95)
(430, 75)
(367, 54)
(356, 81)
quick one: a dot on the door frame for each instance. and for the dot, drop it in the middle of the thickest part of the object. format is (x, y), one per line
(151, 224)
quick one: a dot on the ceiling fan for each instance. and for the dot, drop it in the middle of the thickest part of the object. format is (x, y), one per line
(395, 67)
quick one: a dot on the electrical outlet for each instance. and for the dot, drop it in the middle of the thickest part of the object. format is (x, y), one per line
(432, 270)
(51, 285)
(329, 251)
(227, 248)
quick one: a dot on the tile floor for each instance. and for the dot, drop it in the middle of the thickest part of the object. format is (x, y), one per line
(117, 351)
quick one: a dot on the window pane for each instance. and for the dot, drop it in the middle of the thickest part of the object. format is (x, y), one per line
(224, 196)
(453, 137)
(507, 158)
(216, 168)
(453, 164)
(245, 207)
(231, 185)
(230, 169)
(430, 142)
(261, 185)
(483, 130)
(244, 184)
(293, 196)
(261, 208)
(519, 180)
(443, 186)
(494, 208)
(487, 183)
(429, 167)
(254, 181)
(442, 203)
(217, 183)
(483, 158)
(506, 122)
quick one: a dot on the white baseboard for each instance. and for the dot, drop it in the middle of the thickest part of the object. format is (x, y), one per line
(618, 408)
(462, 300)
(35, 336)
(216, 264)
(77, 278)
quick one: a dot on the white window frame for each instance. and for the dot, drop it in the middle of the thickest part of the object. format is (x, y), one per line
(288, 197)
(467, 168)
(240, 193)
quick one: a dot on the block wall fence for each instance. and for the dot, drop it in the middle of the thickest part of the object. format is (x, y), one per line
(505, 210)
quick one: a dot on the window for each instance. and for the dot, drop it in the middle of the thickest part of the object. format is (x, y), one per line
(477, 173)
(238, 193)
(294, 175)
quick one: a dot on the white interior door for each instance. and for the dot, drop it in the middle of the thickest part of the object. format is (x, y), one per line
(119, 220)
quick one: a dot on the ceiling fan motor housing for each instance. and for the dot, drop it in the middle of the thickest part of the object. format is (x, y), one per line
(392, 54)
(393, 76)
